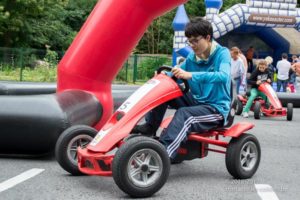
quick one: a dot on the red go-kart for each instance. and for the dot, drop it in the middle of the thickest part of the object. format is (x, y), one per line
(140, 165)
(261, 107)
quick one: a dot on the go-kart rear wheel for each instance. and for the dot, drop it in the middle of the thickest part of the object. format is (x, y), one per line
(239, 107)
(243, 156)
(289, 112)
(256, 110)
(141, 166)
(67, 143)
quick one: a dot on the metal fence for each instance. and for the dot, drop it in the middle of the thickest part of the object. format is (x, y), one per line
(20, 64)
(139, 68)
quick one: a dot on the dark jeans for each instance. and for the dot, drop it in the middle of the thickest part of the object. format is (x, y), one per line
(189, 117)
(237, 82)
(282, 83)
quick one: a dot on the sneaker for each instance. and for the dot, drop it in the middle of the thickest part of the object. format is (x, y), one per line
(245, 115)
(144, 129)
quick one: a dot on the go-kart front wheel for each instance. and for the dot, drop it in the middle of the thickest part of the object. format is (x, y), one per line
(289, 112)
(141, 166)
(243, 156)
(67, 144)
(256, 110)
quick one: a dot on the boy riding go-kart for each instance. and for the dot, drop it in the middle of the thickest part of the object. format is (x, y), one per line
(140, 165)
(263, 100)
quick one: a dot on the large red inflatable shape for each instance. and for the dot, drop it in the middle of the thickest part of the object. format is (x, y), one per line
(104, 43)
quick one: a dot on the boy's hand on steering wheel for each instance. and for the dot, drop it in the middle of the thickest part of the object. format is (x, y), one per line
(181, 74)
(258, 82)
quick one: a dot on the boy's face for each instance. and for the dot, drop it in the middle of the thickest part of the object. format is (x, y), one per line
(199, 44)
(262, 68)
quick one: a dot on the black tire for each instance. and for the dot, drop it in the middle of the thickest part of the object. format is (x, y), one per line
(67, 143)
(256, 110)
(237, 153)
(239, 107)
(289, 112)
(130, 136)
(140, 148)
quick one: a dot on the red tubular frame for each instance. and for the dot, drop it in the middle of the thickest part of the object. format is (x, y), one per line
(95, 169)
(205, 139)
(93, 158)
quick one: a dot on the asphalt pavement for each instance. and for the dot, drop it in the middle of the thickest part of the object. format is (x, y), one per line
(277, 176)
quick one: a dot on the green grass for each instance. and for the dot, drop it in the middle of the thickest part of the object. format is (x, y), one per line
(49, 74)
(39, 74)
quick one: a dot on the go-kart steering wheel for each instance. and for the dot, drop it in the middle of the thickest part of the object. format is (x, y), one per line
(168, 68)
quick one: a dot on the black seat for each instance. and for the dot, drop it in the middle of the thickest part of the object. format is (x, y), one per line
(230, 117)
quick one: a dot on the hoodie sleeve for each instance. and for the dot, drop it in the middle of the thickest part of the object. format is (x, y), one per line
(222, 75)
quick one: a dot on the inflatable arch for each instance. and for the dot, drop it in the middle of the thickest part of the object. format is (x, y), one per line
(254, 16)
(264, 13)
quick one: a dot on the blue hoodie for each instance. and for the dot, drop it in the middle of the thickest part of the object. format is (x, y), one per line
(210, 83)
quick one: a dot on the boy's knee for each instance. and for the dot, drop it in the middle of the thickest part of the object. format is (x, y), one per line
(182, 112)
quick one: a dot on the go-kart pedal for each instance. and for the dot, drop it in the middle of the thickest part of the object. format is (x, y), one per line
(144, 129)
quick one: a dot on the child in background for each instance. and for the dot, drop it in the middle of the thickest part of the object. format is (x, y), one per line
(258, 76)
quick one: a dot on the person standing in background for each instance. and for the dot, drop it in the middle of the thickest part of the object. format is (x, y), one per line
(237, 68)
(249, 55)
(294, 59)
(283, 66)
(244, 78)
(292, 76)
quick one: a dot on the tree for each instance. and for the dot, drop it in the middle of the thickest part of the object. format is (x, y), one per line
(158, 36)
(77, 12)
(158, 39)
(32, 23)
(36, 23)
(228, 3)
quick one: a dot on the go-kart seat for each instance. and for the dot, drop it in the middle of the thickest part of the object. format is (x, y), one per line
(230, 117)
